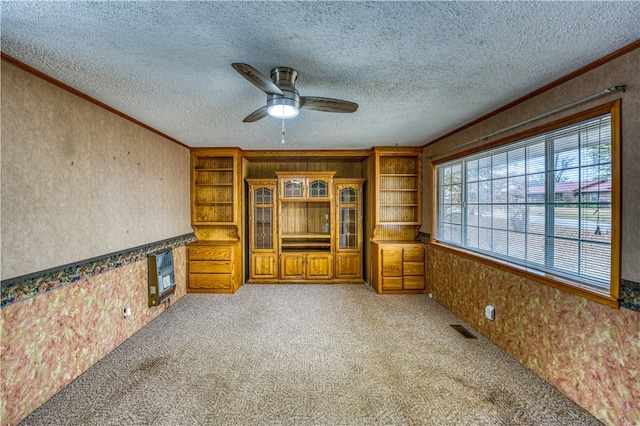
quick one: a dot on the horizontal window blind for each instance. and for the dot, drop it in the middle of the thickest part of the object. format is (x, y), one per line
(543, 202)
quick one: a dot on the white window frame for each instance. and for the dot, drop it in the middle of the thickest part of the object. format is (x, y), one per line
(451, 224)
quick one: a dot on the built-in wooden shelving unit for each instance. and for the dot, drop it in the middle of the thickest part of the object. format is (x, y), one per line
(215, 260)
(398, 261)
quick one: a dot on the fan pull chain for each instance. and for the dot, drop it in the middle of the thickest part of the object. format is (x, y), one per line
(283, 131)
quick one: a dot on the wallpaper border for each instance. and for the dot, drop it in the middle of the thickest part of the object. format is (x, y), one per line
(630, 295)
(17, 289)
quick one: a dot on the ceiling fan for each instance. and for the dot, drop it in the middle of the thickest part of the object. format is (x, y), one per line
(283, 99)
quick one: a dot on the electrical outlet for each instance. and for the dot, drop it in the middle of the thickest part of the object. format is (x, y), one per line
(490, 313)
(127, 312)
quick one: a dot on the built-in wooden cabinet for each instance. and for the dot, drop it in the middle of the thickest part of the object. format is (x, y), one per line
(306, 186)
(305, 227)
(214, 266)
(306, 266)
(398, 267)
(397, 259)
(215, 259)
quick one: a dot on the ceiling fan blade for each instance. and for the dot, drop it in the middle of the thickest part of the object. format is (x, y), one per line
(327, 104)
(258, 79)
(256, 115)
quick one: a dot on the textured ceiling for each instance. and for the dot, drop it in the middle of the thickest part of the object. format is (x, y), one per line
(417, 69)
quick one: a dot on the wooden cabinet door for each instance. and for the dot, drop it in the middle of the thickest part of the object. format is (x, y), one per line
(319, 189)
(348, 265)
(291, 266)
(294, 188)
(319, 266)
(263, 266)
(391, 259)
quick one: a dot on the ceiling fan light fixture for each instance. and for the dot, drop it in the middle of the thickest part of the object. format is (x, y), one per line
(283, 99)
(282, 108)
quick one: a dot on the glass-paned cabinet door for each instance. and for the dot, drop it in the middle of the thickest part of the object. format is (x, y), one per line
(348, 196)
(318, 189)
(263, 225)
(348, 227)
(293, 188)
(348, 218)
(263, 196)
(263, 228)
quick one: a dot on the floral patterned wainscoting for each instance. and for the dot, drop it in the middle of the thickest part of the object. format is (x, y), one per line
(588, 351)
(51, 337)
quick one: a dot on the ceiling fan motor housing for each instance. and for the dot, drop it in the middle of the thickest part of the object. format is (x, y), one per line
(285, 79)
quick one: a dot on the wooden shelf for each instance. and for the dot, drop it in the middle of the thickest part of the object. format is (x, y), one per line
(306, 235)
(304, 200)
(305, 244)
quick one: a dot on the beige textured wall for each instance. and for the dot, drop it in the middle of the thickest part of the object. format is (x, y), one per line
(79, 181)
(623, 70)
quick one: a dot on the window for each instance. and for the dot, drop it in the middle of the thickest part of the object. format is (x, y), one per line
(542, 203)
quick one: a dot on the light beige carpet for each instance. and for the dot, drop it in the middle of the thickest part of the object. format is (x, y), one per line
(307, 355)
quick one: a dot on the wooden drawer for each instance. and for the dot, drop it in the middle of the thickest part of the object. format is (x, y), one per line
(210, 253)
(210, 267)
(414, 283)
(392, 283)
(204, 281)
(413, 254)
(413, 268)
